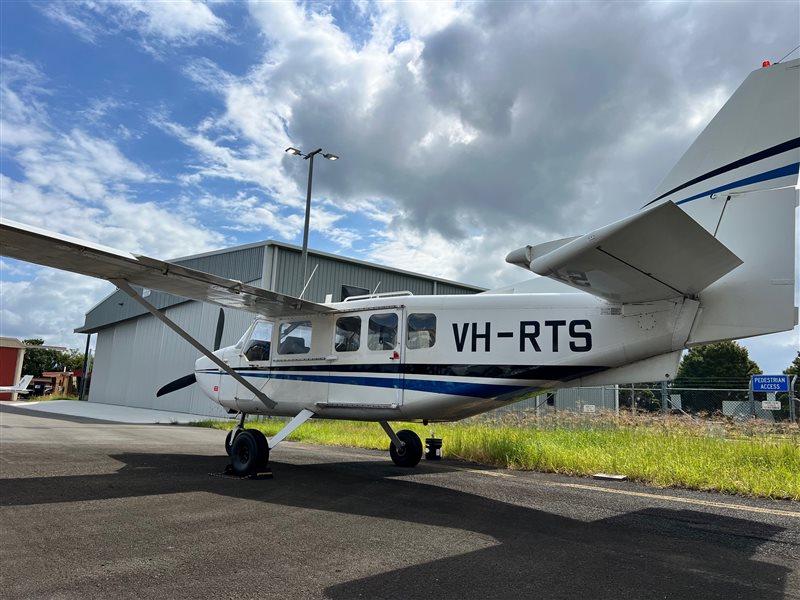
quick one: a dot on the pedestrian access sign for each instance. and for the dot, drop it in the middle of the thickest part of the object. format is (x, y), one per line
(769, 383)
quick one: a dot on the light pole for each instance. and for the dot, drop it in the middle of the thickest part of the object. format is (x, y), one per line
(310, 158)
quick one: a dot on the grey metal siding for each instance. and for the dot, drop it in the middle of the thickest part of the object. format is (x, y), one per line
(446, 289)
(135, 358)
(332, 273)
(244, 265)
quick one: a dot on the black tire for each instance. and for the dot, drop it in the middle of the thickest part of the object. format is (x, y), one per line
(411, 453)
(249, 453)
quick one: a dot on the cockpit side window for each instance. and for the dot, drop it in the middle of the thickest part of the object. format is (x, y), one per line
(258, 346)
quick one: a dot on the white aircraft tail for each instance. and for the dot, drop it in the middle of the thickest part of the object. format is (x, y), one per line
(721, 228)
(20, 387)
(739, 181)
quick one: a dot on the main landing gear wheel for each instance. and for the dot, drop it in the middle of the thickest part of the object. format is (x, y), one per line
(411, 453)
(249, 453)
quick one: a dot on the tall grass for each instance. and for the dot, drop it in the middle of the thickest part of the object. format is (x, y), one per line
(753, 458)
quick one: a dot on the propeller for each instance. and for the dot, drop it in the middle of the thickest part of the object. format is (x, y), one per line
(178, 384)
(220, 329)
(187, 380)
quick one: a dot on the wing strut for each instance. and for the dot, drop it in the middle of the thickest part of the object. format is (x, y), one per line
(126, 287)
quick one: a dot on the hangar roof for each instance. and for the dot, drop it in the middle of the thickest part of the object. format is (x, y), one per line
(277, 266)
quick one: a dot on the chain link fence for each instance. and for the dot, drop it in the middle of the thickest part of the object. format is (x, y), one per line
(736, 403)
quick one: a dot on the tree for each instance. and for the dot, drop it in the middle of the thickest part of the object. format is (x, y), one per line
(794, 368)
(647, 397)
(37, 361)
(724, 365)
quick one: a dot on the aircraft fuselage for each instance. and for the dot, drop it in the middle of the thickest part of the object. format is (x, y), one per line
(439, 358)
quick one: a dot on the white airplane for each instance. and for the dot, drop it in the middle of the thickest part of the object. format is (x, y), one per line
(20, 388)
(709, 258)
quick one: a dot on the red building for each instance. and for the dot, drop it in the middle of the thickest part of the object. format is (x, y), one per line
(12, 351)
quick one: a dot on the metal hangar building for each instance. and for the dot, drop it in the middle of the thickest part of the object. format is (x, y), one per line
(135, 354)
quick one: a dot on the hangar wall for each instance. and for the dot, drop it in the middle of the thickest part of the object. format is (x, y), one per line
(136, 357)
(135, 354)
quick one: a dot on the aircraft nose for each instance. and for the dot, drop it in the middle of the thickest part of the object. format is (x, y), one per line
(204, 363)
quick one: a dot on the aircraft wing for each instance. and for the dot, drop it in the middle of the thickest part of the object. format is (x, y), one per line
(34, 245)
(653, 255)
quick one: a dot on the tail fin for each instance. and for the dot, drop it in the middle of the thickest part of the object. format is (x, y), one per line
(739, 181)
(24, 382)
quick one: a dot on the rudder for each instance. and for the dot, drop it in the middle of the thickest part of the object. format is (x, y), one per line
(739, 181)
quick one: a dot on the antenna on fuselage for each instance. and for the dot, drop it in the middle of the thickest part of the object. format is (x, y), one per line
(375, 291)
(310, 277)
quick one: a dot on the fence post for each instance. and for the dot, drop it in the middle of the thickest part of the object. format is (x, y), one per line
(663, 397)
(792, 400)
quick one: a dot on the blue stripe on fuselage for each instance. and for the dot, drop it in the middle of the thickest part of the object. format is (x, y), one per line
(792, 169)
(455, 388)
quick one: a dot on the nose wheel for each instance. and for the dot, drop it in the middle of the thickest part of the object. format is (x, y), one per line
(249, 452)
(248, 449)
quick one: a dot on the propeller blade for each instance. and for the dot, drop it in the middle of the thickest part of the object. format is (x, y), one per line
(178, 384)
(220, 329)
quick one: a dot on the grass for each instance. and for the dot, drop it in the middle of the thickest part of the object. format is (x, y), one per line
(752, 458)
(47, 398)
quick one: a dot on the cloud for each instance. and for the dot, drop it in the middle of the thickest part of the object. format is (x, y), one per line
(156, 24)
(47, 307)
(21, 122)
(481, 110)
(75, 183)
(465, 130)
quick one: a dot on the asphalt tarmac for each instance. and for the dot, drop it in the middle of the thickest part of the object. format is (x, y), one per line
(102, 510)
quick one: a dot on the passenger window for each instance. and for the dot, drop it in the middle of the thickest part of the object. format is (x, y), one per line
(295, 338)
(382, 333)
(258, 345)
(421, 331)
(348, 334)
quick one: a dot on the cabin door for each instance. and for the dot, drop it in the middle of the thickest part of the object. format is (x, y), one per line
(255, 366)
(369, 351)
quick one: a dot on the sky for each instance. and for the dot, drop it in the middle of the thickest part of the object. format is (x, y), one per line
(465, 129)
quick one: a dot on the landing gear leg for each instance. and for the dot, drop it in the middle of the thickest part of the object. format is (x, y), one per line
(405, 448)
(233, 433)
(249, 449)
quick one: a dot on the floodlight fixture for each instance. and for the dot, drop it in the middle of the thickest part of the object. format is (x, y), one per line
(310, 158)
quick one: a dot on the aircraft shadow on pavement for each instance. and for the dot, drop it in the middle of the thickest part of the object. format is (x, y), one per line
(641, 554)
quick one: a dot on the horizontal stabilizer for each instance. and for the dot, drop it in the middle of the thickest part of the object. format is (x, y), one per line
(41, 247)
(653, 255)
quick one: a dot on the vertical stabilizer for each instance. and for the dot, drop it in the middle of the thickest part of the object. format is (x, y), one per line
(739, 181)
